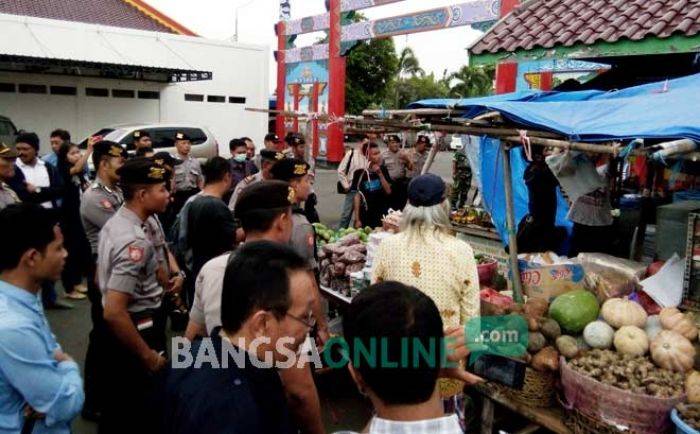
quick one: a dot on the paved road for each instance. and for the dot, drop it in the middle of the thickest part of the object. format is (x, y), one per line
(345, 409)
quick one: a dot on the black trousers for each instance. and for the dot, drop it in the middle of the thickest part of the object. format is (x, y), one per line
(95, 357)
(132, 395)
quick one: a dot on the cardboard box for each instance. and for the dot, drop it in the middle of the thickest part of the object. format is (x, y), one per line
(549, 281)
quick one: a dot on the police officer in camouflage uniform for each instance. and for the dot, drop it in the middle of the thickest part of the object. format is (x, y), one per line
(99, 203)
(129, 273)
(461, 178)
(7, 172)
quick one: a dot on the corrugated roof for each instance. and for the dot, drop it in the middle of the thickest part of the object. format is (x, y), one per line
(39, 38)
(133, 14)
(557, 23)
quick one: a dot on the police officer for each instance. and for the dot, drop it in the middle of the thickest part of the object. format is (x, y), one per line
(461, 180)
(303, 241)
(132, 291)
(297, 142)
(398, 164)
(419, 156)
(7, 172)
(268, 159)
(188, 175)
(99, 203)
(142, 139)
(296, 173)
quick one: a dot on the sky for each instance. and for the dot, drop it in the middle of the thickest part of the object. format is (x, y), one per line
(436, 51)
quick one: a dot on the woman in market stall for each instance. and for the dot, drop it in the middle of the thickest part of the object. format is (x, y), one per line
(427, 256)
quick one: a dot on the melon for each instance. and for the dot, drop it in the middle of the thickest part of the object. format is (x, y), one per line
(574, 310)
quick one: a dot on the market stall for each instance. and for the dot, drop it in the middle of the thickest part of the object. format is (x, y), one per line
(584, 311)
(610, 335)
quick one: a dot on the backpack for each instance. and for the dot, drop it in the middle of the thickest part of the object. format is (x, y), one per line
(178, 237)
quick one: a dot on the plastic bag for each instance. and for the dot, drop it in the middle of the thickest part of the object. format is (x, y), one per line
(627, 411)
(608, 276)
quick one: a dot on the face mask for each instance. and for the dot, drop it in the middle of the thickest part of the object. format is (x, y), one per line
(240, 158)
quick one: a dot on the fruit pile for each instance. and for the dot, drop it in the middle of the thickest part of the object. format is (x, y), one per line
(325, 235)
(471, 216)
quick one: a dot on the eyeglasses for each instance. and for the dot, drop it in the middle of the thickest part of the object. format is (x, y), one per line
(309, 321)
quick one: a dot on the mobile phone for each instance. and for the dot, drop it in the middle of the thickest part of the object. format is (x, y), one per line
(499, 369)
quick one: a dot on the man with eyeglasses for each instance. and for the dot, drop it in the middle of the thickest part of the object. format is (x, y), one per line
(234, 390)
(264, 211)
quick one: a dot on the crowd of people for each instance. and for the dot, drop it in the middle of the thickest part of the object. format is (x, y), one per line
(226, 251)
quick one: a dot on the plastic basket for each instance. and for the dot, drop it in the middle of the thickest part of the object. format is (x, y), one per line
(681, 427)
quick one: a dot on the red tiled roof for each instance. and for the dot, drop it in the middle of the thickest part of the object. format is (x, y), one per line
(133, 14)
(552, 23)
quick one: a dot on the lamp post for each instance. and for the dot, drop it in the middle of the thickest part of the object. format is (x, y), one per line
(235, 36)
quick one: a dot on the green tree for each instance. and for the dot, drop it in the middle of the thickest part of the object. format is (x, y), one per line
(409, 64)
(404, 92)
(371, 67)
(471, 81)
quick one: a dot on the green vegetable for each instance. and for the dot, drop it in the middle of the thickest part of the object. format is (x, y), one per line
(574, 310)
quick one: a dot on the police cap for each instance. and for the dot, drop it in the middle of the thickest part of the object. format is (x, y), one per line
(289, 169)
(264, 196)
(181, 136)
(106, 148)
(141, 171)
(393, 138)
(7, 152)
(424, 139)
(273, 156)
(140, 134)
(295, 139)
(272, 137)
(165, 158)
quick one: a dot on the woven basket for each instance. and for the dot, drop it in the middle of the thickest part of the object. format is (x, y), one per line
(613, 408)
(579, 423)
(538, 389)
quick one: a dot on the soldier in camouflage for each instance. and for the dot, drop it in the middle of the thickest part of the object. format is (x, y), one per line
(462, 180)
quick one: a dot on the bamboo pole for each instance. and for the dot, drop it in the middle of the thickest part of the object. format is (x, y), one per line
(416, 112)
(429, 161)
(459, 129)
(574, 146)
(510, 224)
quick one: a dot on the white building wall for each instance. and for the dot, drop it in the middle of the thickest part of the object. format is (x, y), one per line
(238, 71)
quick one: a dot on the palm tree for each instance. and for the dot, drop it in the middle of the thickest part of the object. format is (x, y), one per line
(472, 81)
(408, 64)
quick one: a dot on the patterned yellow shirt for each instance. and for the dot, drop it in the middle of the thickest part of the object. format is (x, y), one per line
(443, 268)
(440, 265)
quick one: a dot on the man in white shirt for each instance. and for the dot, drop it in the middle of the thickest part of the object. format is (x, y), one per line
(35, 181)
(405, 394)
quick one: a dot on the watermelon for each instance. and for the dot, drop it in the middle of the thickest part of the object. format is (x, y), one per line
(574, 310)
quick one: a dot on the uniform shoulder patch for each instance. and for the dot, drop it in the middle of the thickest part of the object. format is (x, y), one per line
(135, 253)
(106, 204)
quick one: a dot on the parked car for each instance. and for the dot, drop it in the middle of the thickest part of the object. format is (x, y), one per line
(204, 145)
(8, 131)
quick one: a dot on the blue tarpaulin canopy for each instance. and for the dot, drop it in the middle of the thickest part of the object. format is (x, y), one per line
(662, 110)
(665, 110)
